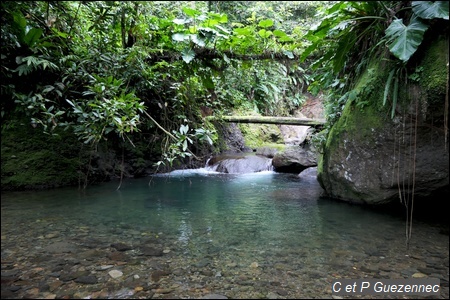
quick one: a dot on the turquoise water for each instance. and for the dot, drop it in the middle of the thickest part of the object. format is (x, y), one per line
(265, 209)
(278, 221)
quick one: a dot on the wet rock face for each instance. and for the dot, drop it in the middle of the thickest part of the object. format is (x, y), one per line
(372, 170)
(239, 164)
(232, 136)
(372, 158)
(294, 159)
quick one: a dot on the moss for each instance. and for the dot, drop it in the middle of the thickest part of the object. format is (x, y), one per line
(433, 79)
(32, 159)
(362, 115)
(279, 147)
(365, 116)
(365, 111)
(260, 135)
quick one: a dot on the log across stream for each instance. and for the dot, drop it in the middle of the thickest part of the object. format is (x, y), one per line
(270, 120)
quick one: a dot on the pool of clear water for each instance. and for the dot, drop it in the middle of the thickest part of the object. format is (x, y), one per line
(274, 226)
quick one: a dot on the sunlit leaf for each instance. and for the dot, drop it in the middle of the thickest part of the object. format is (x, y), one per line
(288, 54)
(242, 31)
(180, 37)
(191, 12)
(222, 18)
(188, 55)
(226, 59)
(265, 23)
(279, 33)
(184, 129)
(223, 29)
(211, 23)
(181, 21)
(264, 33)
(285, 39)
(198, 40)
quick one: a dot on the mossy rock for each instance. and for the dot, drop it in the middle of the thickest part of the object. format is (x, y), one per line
(433, 79)
(34, 160)
(261, 135)
(366, 146)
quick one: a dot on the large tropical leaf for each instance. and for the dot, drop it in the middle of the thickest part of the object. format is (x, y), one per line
(265, 23)
(180, 37)
(32, 36)
(188, 55)
(431, 10)
(346, 43)
(265, 33)
(404, 40)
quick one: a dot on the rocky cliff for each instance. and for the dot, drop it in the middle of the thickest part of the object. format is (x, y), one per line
(372, 158)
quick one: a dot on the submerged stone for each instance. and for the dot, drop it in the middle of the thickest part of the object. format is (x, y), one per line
(214, 296)
(61, 247)
(121, 247)
(115, 274)
(87, 279)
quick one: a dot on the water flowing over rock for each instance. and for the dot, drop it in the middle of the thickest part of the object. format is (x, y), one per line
(239, 164)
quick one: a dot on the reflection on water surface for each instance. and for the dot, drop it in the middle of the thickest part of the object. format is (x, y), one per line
(220, 233)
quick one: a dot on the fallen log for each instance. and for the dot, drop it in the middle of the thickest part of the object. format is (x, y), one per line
(269, 120)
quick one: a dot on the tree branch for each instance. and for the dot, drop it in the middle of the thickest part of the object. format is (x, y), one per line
(207, 54)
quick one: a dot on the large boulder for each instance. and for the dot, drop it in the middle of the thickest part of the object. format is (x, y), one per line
(294, 159)
(374, 167)
(371, 158)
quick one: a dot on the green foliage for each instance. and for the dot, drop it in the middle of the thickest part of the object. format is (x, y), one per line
(29, 64)
(352, 33)
(97, 68)
(26, 36)
(404, 40)
(32, 159)
(109, 109)
(179, 148)
(431, 10)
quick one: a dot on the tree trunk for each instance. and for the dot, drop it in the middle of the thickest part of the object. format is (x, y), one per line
(270, 120)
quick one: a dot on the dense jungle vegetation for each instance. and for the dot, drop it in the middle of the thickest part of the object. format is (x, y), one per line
(140, 76)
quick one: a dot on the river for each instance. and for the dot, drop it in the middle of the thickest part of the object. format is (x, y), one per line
(197, 233)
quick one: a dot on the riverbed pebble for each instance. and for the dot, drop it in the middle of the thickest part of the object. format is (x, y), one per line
(104, 264)
(115, 274)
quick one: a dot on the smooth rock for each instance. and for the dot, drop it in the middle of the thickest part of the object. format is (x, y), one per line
(150, 251)
(87, 279)
(105, 267)
(115, 274)
(121, 247)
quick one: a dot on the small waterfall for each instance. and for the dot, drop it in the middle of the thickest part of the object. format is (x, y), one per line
(239, 164)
